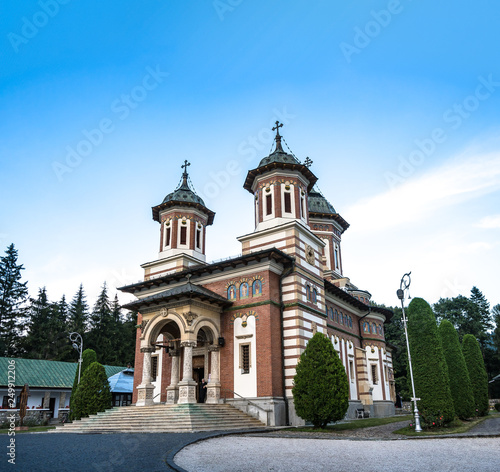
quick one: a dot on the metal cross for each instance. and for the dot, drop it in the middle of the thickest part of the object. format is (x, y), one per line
(185, 166)
(277, 127)
(308, 162)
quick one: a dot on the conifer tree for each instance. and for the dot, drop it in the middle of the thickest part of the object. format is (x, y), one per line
(477, 373)
(460, 385)
(79, 313)
(429, 366)
(39, 327)
(88, 357)
(93, 393)
(321, 388)
(101, 332)
(483, 307)
(13, 296)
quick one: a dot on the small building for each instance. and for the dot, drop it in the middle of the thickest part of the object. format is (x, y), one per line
(50, 383)
(122, 386)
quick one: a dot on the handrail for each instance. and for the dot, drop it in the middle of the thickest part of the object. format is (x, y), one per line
(250, 402)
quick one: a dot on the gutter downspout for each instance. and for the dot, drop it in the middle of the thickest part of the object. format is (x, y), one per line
(286, 273)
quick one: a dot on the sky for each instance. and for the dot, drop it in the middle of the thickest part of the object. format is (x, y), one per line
(395, 101)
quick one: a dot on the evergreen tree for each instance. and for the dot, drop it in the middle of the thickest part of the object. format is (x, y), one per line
(93, 393)
(39, 325)
(494, 364)
(102, 329)
(88, 357)
(460, 385)
(13, 296)
(477, 373)
(79, 313)
(483, 307)
(429, 366)
(321, 388)
(63, 350)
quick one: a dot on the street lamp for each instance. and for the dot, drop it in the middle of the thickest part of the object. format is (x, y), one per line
(75, 338)
(403, 287)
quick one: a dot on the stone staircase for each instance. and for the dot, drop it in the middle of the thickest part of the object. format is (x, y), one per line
(164, 419)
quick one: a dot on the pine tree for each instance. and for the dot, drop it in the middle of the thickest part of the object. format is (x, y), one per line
(101, 332)
(39, 326)
(321, 388)
(483, 307)
(477, 373)
(13, 296)
(79, 313)
(429, 366)
(494, 369)
(93, 393)
(460, 385)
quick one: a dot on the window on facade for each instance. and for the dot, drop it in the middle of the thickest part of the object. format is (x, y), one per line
(315, 296)
(167, 237)
(308, 293)
(336, 257)
(336, 316)
(198, 238)
(374, 373)
(269, 204)
(341, 318)
(302, 207)
(288, 203)
(351, 370)
(245, 358)
(154, 368)
(331, 314)
(183, 235)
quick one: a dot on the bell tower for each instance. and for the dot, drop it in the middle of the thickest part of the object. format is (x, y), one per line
(183, 219)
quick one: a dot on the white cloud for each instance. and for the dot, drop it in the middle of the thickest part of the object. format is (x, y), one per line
(458, 180)
(489, 222)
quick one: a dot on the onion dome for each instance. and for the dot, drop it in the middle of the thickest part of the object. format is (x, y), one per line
(279, 159)
(320, 207)
(183, 195)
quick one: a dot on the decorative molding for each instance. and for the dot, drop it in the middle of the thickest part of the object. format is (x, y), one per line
(244, 336)
(310, 257)
(189, 317)
(148, 349)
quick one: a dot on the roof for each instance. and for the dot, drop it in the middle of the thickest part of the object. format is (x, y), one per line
(320, 207)
(346, 297)
(42, 373)
(207, 269)
(183, 195)
(188, 290)
(122, 382)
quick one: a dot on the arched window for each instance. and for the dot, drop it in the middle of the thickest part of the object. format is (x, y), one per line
(315, 296)
(308, 293)
(331, 313)
(336, 315)
(341, 318)
(231, 292)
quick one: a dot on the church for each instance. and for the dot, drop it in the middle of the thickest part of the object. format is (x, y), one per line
(242, 323)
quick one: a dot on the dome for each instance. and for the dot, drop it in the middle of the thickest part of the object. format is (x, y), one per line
(183, 194)
(278, 156)
(319, 204)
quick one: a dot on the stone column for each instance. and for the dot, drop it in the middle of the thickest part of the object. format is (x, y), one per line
(173, 388)
(187, 386)
(213, 388)
(146, 388)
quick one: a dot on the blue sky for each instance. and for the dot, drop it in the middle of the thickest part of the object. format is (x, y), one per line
(396, 102)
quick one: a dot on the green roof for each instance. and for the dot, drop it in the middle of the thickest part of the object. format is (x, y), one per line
(48, 374)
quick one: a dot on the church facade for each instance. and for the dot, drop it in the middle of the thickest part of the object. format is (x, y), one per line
(242, 323)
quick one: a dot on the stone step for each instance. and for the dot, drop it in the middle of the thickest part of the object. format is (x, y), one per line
(164, 418)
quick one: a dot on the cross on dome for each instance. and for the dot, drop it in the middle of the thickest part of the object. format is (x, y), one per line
(278, 137)
(185, 166)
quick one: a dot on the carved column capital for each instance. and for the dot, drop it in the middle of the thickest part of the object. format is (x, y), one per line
(213, 348)
(148, 349)
(188, 344)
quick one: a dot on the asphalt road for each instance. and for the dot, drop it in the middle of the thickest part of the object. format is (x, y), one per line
(46, 452)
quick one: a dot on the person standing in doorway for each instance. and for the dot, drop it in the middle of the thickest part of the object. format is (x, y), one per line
(203, 390)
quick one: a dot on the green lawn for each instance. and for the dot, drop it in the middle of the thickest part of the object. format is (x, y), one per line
(455, 427)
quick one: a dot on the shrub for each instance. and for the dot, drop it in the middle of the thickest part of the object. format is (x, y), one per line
(497, 406)
(477, 373)
(460, 385)
(321, 388)
(429, 366)
(88, 357)
(93, 393)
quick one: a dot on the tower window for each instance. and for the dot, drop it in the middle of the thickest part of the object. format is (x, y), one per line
(198, 238)
(245, 358)
(269, 205)
(154, 368)
(183, 235)
(167, 237)
(351, 370)
(374, 373)
(288, 203)
(336, 257)
(302, 207)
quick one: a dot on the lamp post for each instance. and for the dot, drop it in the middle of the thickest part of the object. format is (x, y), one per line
(75, 338)
(403, 287)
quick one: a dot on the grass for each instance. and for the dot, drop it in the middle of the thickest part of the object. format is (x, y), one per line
(32, 429)
(357, 424)
(455, 427)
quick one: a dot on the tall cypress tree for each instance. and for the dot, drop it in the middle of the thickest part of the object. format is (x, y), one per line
(430, 372)
(88, 357)
(460, 385)
(477, 373)
(13, 296)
